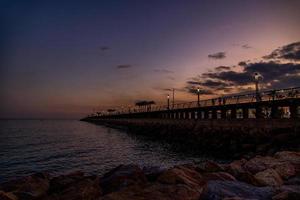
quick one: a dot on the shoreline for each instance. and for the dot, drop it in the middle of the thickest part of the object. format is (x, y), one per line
(269, 177)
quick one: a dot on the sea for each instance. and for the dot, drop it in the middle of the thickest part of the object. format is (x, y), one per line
(64, 146)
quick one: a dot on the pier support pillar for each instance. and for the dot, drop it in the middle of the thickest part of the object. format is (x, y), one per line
(206, 114)
(233, 113)
(258, 112)
(214, 114)
(274, 112)
(294, 111)
(223, 114)
(245, 113)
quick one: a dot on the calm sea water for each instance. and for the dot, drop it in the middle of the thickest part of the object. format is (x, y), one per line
(62, 146)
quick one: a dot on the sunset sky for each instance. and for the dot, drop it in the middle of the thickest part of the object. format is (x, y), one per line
(62, 59)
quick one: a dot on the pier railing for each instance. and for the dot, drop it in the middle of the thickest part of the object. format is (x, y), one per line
(262, 96)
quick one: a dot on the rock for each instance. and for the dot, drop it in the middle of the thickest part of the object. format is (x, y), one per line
(30, 187)
(259, 163)
(218, 190)
(210, 166)
(122, 176)
(156, 191)
(291, 157)
(269, 177)
(59, 183)
(219, 176)
(87, 188)
(152, 173)
(288, 193)
(181, 175)
(7, 196)
(293, 181)
(285, 170)
(235, 168)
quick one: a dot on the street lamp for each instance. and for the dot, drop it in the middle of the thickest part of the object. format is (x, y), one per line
(168, 97)
(257, 76)
(198, 93)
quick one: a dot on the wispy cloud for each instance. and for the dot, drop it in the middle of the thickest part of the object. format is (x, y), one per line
(218, 55)
(165, 71)
(124, 66)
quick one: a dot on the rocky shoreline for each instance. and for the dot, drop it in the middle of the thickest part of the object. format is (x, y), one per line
(274, 177)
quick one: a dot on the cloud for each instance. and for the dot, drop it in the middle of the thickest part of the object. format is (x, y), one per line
(276, 74)
(218, 55)
(220, 68)
(288, 52)
(124, 66)
(165, 71)
(246, 46)
(105, 48)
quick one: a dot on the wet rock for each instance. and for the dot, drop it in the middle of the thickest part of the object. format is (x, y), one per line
(210, 166)
(293, 181)
(269, 177)
(219, 176)
(288, 193)
(7, 196)
(290, 157)
(30, 187)
(87, 188)
(218, 190)
(260, 163)
(122, 176)
(235, 168)
(156, 191)
(152, 173)
(59, 183)
(285, 170)
(181, 175)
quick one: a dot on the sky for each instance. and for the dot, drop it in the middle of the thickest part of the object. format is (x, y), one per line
(64, 59)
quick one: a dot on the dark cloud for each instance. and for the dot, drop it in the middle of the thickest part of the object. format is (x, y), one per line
(165, 71)
(288, 52)
(275, 74)
(242, 63)
(105, 48)
(219, 55)
(221, 68)
(124, 66)
(246, 46)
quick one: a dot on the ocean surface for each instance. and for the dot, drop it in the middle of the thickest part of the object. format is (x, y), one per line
(62, 146)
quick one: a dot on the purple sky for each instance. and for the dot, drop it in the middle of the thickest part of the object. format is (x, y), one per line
(62, 59)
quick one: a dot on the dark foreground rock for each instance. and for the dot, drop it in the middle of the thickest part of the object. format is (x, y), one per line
(274, 177)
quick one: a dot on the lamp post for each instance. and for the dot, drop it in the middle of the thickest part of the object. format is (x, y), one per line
(257, 77)
(168, 98)
(198, 93)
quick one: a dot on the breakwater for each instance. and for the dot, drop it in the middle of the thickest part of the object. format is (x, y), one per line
(272, 177)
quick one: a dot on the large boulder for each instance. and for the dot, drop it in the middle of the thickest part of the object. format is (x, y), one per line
(30, 187)
(288, 193)
(285, 170)
(61, 182)
(7, 196)
(218, 190)
(290, 157)
(260, 163)
(122, 176)
(182, 175)
(156, 191)
(269, 177)
(222, 176)
(87, 188)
